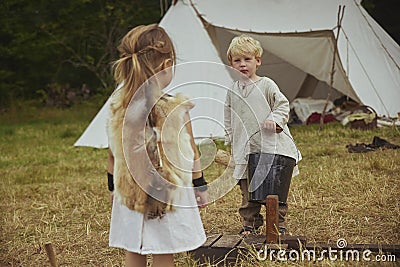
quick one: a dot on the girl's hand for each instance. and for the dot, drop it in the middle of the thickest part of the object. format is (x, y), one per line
(201, 198)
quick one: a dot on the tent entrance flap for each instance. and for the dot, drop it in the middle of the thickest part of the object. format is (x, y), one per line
(308, 86)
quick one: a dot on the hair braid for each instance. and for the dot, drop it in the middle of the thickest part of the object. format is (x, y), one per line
(142, 51)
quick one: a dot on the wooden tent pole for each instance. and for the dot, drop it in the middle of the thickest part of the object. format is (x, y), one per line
(335, 51)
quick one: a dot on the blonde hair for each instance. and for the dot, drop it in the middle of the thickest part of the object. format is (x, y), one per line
(244, 45)
(143, 50)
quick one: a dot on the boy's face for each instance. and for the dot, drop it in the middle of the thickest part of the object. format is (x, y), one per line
(246, 64)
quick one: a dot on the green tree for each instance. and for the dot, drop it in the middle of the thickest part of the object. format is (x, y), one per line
(386, 13)
(64, 42)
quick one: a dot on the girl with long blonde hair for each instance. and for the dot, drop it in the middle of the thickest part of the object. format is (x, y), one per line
(155, 206)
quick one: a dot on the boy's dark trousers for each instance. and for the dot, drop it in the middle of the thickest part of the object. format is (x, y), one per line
(250, 210)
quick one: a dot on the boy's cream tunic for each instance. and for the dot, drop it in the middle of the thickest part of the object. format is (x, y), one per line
(245, 111)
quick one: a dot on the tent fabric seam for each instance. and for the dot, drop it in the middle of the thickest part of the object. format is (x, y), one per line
(365, 71)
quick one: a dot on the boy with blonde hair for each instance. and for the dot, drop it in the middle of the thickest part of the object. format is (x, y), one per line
(255, 116)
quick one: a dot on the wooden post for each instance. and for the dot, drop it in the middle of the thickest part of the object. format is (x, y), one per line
(51, 254)
(272, 219)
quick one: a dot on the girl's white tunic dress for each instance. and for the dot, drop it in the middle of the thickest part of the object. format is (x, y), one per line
(178, 231)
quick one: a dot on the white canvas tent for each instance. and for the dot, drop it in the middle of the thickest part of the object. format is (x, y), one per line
(298, 38)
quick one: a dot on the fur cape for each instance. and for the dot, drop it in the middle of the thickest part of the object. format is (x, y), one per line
(152, 190)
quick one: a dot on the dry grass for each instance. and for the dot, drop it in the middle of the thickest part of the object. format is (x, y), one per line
(53, 192)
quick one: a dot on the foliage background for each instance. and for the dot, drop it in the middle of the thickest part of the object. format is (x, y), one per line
(68, 43)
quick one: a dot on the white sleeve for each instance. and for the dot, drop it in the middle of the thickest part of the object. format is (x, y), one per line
(279, 104)
(228, 119)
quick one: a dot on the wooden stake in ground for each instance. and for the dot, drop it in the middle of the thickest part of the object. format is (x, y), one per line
(272, 219)
(51, 254)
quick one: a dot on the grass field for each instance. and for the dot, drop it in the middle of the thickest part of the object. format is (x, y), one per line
(54, 192)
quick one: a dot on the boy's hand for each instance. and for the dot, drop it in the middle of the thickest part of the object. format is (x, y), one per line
(270, 126)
